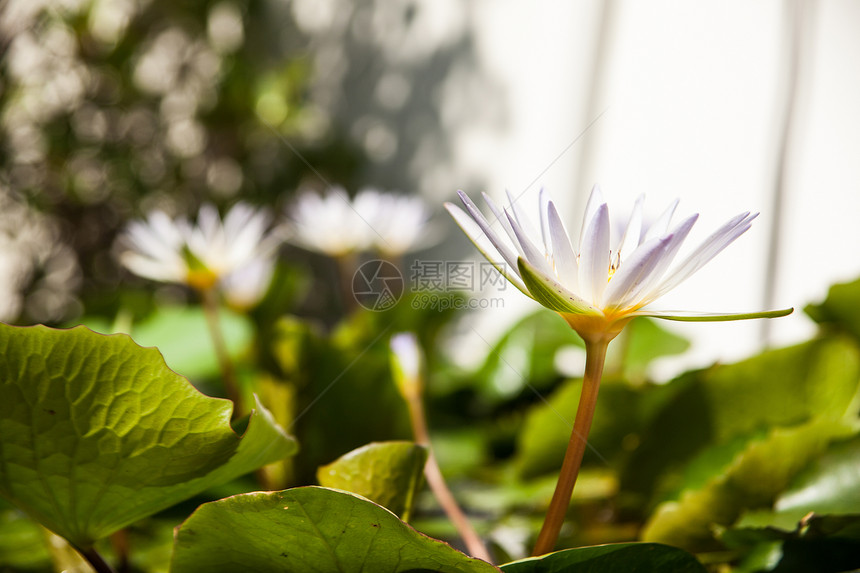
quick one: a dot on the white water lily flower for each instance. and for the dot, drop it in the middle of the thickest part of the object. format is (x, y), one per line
(334, 225)
(230, 253)
(399, 222)
(595, 285)
(328, 224)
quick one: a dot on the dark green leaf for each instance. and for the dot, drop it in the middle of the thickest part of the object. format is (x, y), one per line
(308, 529)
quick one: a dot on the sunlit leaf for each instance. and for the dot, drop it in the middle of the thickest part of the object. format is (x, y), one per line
(614, 558)
(387, 473)
(308, 529)
(96, 432)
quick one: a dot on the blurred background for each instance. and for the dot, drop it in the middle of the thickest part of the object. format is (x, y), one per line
(111, 108)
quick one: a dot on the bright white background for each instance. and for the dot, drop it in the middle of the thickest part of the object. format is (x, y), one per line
(692, 96)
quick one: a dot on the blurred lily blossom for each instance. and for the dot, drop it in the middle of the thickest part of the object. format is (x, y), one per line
(235, 253)
(595, 285)
(333, 224)
(400, 222)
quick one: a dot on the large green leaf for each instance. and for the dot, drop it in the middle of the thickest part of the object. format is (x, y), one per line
(614, 558)
(748, 430)
(308, 529)
(722, 408)
(753, 479)
(96, 432)
(387, 473)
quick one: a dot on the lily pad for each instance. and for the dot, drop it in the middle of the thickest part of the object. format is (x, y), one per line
(308, 529)
(614, 558)
(96, 432)
(387, 473)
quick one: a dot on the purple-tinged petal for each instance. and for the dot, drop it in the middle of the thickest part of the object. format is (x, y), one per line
(595, 200)
(503, 221)
(478, 217)
(661, 225)
(532, 254)
(594, 256)
(562, 250)
(520, 216)
(490, 252)
(709, 248)
(633, 277)
(632, 232)
(543, 204)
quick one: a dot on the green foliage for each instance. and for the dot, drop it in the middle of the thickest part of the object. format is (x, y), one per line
(182, 336)
(308, 529)
(96, 432)
(840, 310)
(749, 428)
(387, 473)
(525, 353)
(615, 558)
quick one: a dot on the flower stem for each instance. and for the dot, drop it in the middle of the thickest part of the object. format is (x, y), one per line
(96, 561)
(595, 356)
(228, 374)
(437, 484)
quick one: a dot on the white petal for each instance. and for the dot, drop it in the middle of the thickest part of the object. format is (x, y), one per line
(633, 232)
(661, 225)
(479, 239)
(594, 256)
(543, 204)
(521, 217)
(532, 254)
(677, 237)
(595, 200)
(562, 251)
(478, 217)
(632, 278)
(503, 221)
(710, 248)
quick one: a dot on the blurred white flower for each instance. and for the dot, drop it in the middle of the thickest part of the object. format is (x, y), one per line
(332, 224)
(328, 224)
(399, 222)
(236, 253)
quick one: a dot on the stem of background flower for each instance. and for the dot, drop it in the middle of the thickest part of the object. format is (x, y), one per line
(595, 356)
(96, 561)
(228, 374)
(345, 270)
(437, 484)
